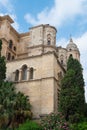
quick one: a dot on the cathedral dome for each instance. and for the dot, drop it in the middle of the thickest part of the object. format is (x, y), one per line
(72, 46)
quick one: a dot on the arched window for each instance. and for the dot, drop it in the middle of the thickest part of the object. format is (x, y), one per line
(71, 55)
(9, 56)
(48, 39)
(58, 96)
(61, 59)
(16, 75)
(13, 58)
(24, 72)
(62, 62)
(31, 73)
(14, 48)
(10, 44)
(60, 75)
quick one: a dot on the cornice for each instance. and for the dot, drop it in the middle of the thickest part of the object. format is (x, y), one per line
(6, 17)
(22, 53)
(42, 45)
(29, 57)
(43, 25)
(24, 34)
(35, 80)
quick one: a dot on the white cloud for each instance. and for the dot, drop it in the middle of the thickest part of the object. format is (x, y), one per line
(15, 24)
(62, 42)
(62, 10)
(7, 5)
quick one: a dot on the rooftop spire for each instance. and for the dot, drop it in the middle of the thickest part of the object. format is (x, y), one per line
(71, 41)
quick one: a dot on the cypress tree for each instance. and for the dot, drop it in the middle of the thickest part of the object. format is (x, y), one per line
(2, 65)
(72, 98)
(0, 46)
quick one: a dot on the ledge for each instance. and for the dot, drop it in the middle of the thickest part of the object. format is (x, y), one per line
(35, 80)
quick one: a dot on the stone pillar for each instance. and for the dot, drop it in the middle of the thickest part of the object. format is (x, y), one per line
(28, 73)
(13, 76)
(20, 74)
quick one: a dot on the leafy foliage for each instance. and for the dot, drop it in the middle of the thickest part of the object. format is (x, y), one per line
(2, 65)
(79, 126)
(54, 121)
(76, 66)
(14, 107)
(85, 111)
(72, 99)
(0, 46)
(29, 125)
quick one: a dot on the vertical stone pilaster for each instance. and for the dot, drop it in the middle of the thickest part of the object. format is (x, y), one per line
(13, 76)
(28, 73)
(20, 74)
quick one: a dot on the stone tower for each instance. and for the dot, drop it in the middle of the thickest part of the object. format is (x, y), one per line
(42, 39)
(64, 53)
(73, 50)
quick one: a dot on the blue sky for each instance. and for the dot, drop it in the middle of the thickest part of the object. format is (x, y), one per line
(69, 17)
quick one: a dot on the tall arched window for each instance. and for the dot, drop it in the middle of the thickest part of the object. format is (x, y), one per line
(62, 62)
(71, 55)
(10, 44)
(9, 56)
(14, 48)
(48, 39)
(61, 59)
(31, 73)
(16, 75)
(13, 57)
(24, 72)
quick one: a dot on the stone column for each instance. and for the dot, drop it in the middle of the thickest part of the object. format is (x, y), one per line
(13, 76)
(20, 74)
(28, 73)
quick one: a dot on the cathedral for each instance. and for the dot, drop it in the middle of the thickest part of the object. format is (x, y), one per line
(35, 63)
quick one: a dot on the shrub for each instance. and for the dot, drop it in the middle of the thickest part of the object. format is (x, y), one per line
(54, 121)
(15, 107)
(29, 125)
(79, 126)
(75, 118)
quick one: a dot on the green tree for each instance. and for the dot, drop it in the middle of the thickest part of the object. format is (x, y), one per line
(0, 46)
(15, 107)
(72, 100)
(2, 65)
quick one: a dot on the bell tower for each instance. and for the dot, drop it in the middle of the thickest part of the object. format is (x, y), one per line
(73, 50)
(49, 35)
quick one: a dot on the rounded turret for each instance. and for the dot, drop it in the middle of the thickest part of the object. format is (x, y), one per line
(73, 50)
(72, 46)
(49, 37)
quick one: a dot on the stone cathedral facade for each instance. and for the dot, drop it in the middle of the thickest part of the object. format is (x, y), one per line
(35, 64)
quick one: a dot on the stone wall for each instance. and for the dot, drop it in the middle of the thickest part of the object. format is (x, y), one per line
(40, 89)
